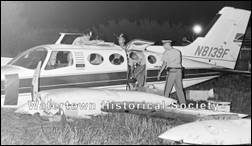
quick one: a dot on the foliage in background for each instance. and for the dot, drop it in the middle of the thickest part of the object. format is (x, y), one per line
(18, 35)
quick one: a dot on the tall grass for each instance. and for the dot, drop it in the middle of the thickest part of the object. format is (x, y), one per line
(233, 88)
(114, 128)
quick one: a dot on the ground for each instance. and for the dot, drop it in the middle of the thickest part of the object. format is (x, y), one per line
(116, 128)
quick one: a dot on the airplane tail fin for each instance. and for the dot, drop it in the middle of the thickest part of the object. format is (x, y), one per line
(221, 43)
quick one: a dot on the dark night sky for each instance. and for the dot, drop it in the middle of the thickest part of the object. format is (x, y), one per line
(88, 13)
(26, 20)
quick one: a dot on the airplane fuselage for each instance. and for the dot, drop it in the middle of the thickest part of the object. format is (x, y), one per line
(82, 73)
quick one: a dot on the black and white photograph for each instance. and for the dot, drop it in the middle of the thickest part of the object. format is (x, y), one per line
(125, 72)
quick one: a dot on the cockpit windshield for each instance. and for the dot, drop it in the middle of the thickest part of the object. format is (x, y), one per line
(31, 58)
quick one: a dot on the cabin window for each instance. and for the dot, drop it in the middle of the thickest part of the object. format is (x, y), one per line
(31, 58)
(95, 59)
(152, 59)
(59, 59)
(116, 59)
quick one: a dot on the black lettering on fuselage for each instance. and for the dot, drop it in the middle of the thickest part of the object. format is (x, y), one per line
(213, 52)
(198, 51)
(204, 52)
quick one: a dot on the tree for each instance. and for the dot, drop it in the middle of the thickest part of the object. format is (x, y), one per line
(143, 29)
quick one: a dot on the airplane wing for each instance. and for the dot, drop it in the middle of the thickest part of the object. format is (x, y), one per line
(212, 132)
(83, 102)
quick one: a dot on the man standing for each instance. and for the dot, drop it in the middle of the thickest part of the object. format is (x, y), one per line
(172, 62)
(122, 43)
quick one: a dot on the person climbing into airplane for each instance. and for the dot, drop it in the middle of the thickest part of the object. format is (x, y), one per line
(84, 39)
(137, 65)
(172, 62)
(122, 42)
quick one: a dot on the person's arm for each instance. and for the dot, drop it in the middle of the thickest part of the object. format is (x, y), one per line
(131, 64)
(76, 41)
(161, 70)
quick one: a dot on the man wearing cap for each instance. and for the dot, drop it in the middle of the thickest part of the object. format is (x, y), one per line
(172, 62)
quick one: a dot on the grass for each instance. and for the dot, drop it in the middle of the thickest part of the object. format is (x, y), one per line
(234, 88)
(115, 128)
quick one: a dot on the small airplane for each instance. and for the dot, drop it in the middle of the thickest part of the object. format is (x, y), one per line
(102, 64)
(64, 71)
